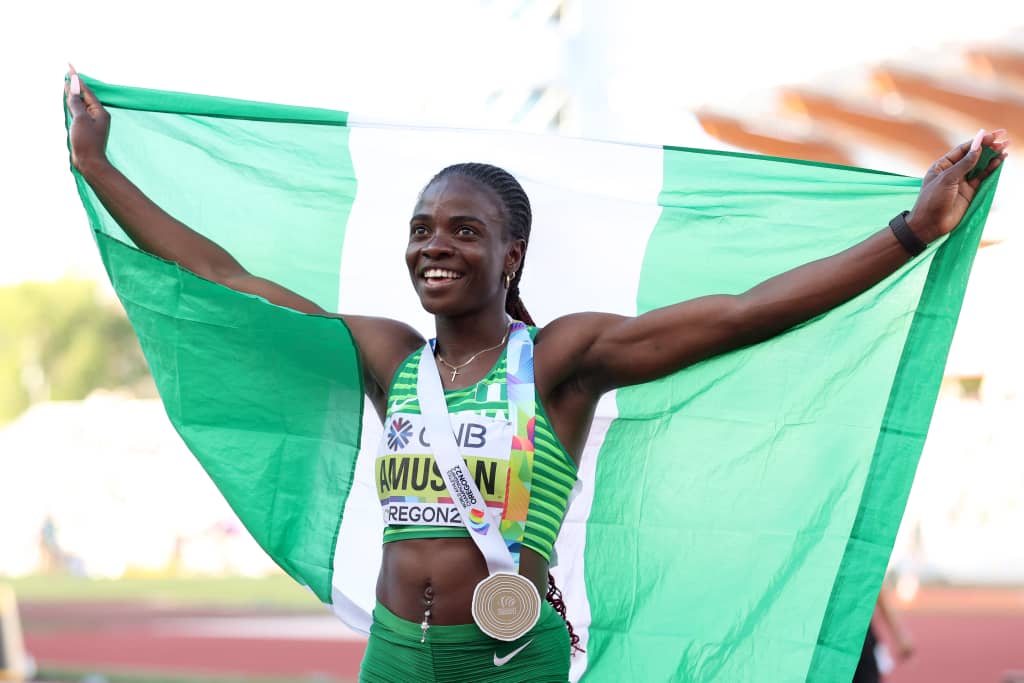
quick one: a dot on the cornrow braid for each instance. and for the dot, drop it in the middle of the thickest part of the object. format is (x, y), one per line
(518, 218)
(554, 596)
(514, 305)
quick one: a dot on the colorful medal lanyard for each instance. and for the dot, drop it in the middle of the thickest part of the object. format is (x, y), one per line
(500, 541)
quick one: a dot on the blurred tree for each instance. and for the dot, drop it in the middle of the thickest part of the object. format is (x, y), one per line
(61, 340)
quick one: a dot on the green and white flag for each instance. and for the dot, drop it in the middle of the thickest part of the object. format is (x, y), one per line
(735, 518)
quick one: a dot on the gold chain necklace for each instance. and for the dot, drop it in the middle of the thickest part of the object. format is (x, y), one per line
(455, 368)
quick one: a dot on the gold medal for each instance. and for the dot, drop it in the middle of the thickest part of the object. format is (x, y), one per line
(506, 606)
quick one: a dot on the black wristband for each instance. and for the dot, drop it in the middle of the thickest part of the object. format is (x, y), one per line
(905, 236)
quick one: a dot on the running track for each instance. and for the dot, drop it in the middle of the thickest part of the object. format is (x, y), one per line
(961, 637)
(123, 637)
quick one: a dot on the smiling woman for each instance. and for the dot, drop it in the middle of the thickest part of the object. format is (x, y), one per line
(468, 238)
(485, 425)
(501, 209)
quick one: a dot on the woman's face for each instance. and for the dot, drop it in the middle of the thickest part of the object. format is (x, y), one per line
(458, 248)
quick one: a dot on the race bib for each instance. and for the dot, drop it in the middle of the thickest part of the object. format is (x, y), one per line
(409, 484)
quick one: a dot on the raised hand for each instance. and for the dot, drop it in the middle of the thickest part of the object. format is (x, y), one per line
(946, 191)
(90, 124)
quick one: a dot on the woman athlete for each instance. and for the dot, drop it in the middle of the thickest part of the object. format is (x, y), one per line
(468, 238)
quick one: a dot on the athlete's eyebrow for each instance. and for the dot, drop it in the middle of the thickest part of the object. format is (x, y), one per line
(454, 219)
(467, 219)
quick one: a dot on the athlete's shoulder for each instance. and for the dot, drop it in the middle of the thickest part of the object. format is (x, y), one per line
(573, 333)
(384, 344)
(564, 345)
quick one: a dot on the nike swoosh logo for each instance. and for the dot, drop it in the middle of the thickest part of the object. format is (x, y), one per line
(502, 661)
(398, 405)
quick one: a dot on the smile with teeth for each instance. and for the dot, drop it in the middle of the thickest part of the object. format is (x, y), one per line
(440, 274)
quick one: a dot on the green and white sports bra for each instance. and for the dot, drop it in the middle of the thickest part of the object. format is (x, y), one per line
(413, 496)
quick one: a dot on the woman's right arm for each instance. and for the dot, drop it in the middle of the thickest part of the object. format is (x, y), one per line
(150, 227)
(383, 343)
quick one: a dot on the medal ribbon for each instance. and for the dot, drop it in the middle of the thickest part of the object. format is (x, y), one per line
(522, 407)
(499, 540)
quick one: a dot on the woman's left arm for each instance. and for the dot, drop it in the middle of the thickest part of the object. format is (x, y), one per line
(613, 351)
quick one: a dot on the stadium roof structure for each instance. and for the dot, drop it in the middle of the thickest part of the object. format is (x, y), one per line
(902, 115)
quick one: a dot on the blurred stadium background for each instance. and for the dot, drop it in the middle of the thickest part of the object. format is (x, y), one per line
(127, 565)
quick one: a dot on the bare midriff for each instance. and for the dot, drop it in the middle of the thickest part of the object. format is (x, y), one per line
(440, 574)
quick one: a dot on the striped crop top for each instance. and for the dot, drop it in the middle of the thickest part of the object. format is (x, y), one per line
(409, 484)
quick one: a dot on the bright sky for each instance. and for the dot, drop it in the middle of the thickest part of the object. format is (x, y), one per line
(419, 60)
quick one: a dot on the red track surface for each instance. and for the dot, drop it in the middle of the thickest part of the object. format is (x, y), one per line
(960, 636)
(131, 651)
(964, 636)
(119, 637)
(963, 649)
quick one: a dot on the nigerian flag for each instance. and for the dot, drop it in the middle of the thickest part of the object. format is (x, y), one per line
(735, 518)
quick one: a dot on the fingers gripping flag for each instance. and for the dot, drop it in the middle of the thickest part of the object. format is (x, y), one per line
(735, 518)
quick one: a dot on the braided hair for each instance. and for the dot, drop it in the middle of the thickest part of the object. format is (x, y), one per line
(518, 220)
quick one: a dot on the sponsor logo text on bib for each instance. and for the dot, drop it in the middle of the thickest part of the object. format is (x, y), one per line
(410, 486)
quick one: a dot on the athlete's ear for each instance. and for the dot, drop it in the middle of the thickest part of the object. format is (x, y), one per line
(514, 256)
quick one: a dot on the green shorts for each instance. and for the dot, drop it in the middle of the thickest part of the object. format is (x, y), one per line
(394, 653)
